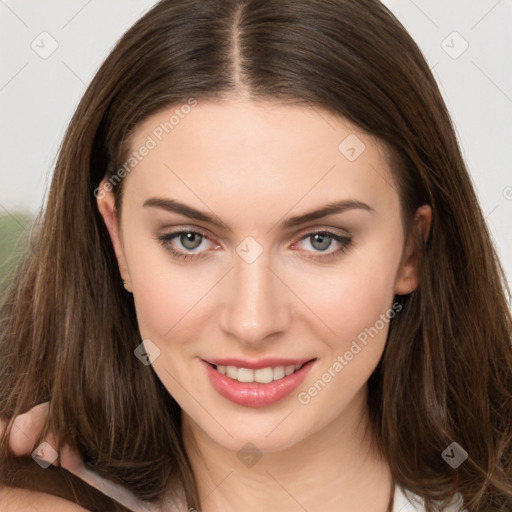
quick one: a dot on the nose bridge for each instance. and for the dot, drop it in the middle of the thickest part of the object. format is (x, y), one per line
(256, 306)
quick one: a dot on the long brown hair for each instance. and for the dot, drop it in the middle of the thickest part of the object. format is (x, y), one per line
(68, 328)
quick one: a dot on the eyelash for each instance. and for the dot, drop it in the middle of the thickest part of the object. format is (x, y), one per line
(345, 241)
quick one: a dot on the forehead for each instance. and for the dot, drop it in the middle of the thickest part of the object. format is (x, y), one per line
(250, 153)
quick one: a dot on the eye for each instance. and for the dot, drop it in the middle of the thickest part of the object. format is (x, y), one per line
(191, 244)
(322, 241)
(186, 244)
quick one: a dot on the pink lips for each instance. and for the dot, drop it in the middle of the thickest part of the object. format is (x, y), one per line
(255, 394)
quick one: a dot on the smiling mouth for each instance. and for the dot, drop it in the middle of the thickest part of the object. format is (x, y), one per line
(261, 375)
(257, 387)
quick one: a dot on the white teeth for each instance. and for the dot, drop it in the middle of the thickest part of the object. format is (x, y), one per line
(279, 372)
(261, 375)
(289, 369)
(231, 372)
(245, 375)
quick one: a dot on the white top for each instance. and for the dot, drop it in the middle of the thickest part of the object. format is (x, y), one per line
(406, 501)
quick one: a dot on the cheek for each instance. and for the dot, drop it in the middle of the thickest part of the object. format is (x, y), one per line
(355, 301)
(164, 291)
(350, 297)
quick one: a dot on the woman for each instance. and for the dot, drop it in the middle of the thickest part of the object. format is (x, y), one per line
(262, 277)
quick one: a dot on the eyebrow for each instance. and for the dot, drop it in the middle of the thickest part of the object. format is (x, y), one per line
(174, 206)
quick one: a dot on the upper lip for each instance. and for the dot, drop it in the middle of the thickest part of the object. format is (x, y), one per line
(256, 364)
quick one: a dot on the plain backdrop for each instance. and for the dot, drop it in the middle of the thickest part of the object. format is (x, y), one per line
(50, 50)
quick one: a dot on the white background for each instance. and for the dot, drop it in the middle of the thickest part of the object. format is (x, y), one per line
(38, 96)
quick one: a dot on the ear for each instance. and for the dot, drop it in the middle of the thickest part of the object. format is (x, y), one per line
(407, 277)
(107, 209)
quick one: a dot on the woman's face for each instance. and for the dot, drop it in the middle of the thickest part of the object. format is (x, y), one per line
(229, 266)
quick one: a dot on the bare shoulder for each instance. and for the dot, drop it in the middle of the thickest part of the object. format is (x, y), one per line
(23, 500)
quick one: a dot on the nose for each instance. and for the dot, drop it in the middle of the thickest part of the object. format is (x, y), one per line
(258, 304)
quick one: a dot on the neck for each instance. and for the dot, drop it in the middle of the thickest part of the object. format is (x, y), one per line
(336, 468)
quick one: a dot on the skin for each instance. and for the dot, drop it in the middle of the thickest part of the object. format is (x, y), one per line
(253, 165)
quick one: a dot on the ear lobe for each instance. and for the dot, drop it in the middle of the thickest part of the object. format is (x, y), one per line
(107, 209)
(407, 278)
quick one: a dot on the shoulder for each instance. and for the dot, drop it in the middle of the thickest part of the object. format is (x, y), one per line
(406, 501)
(22, 500)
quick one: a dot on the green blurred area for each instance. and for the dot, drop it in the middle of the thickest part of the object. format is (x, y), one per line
(14, 241)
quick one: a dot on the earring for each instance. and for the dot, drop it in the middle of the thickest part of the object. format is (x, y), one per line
(125, 287)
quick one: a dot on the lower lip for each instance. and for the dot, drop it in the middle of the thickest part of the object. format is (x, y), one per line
(254, 394)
